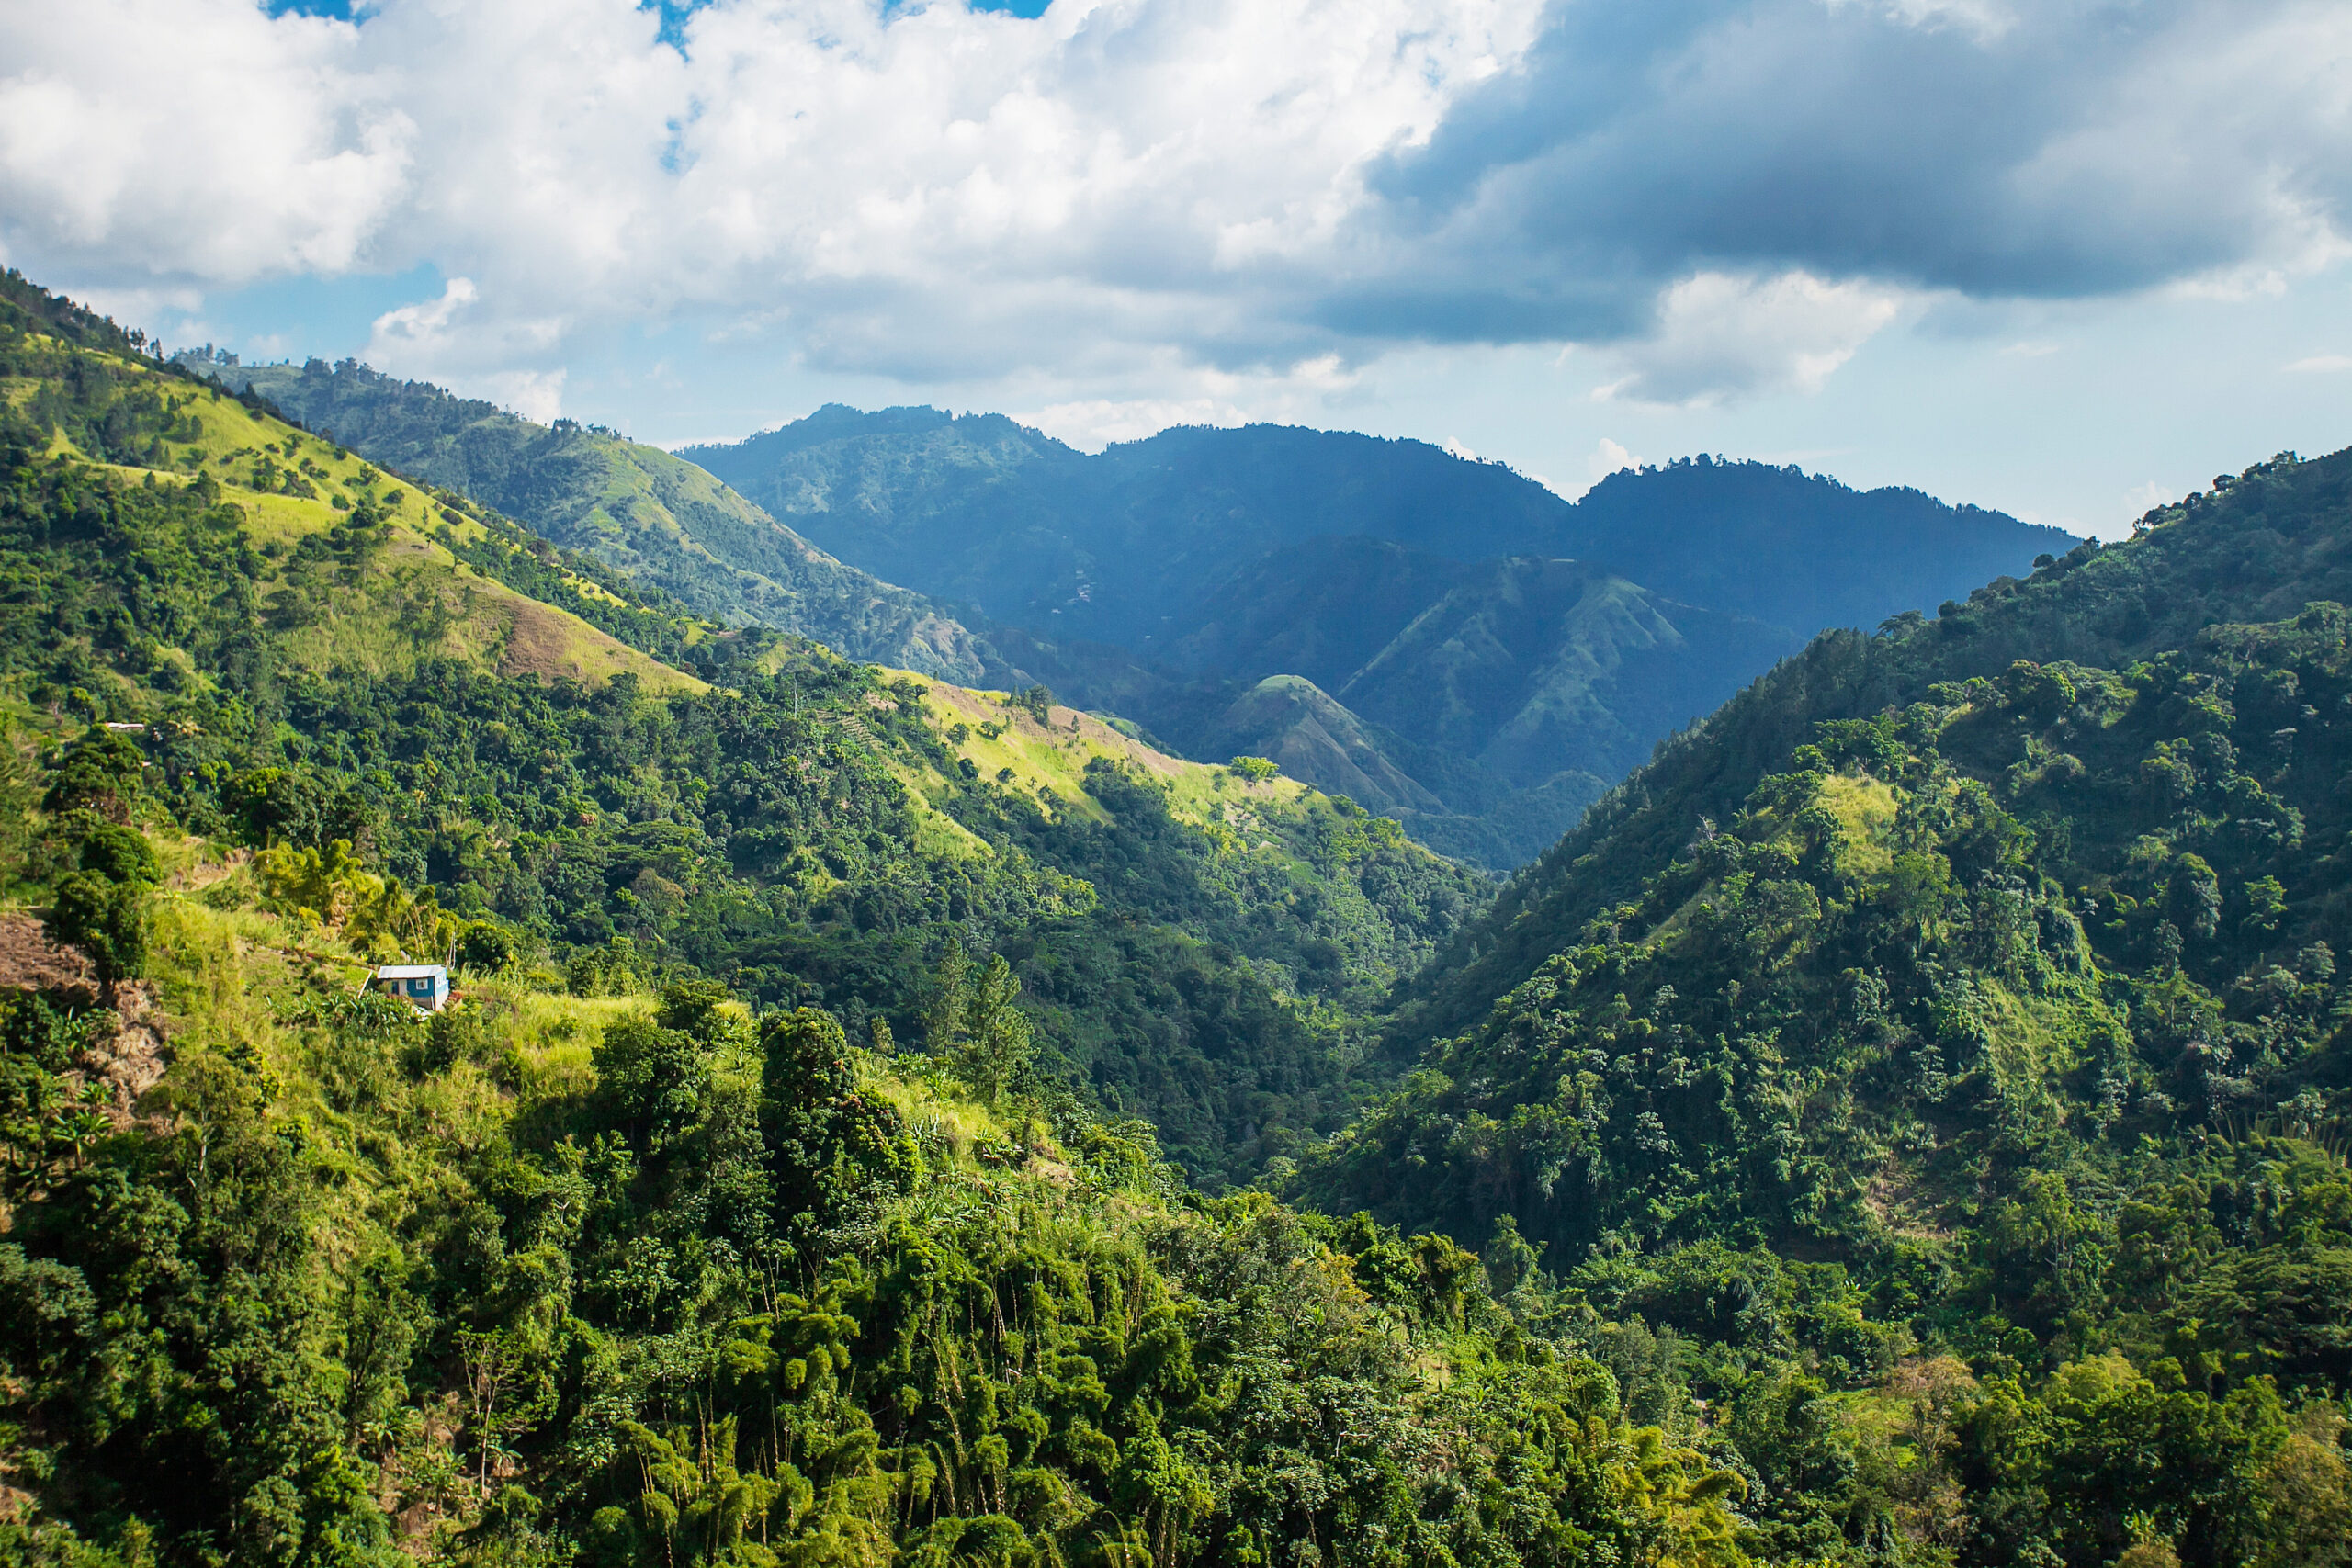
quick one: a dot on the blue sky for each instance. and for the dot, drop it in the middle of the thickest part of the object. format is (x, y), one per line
(2064, 258)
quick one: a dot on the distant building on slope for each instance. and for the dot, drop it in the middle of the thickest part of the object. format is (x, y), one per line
(422, 986)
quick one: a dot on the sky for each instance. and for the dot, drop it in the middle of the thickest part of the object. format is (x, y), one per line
(2067, 258)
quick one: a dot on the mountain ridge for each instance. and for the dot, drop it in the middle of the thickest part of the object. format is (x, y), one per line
(636, 507)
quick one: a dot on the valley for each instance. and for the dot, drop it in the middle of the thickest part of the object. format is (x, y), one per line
(928, 1084)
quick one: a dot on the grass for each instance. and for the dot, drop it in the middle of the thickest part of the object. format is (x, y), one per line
(1048, 762)
(1865, 809)
(369, 628)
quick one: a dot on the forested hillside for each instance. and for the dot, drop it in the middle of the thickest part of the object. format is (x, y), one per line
(636, 507)
(1488, 689)
(1497, 699)
(1982, 973)
(1903, 1127)
(637, 1253)
(322, 655)
(1116, 548)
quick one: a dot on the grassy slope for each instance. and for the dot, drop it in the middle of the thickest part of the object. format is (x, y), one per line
(659, 517)
(487, 623)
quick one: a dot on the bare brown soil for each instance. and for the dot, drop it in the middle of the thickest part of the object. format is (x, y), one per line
(30, 962)
(128, 1061)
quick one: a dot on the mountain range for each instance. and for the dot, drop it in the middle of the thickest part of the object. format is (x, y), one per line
(1446, 640)
(879, 1121)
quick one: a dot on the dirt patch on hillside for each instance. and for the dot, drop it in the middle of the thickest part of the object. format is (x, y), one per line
(30, 962)
(129, 1059)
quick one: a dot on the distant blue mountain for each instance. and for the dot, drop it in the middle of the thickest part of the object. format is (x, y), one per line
(1452, 640)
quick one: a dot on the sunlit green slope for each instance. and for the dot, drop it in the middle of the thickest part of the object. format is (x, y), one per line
(666, 521)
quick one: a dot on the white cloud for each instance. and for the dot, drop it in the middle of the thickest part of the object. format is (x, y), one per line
(1459, 448)
(195, 138)
(2140, 498)
(1096, 423)
(1984, 20)
(925, 192)
(1720, 336)
(458, 341)
(427, 322)
(1609, 457)
(534, 394)
(2322, 364)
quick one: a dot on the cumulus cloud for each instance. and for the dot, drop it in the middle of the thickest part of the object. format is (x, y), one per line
(1734, 192)
(1609, 457)
(194, 139)
(1719, 336)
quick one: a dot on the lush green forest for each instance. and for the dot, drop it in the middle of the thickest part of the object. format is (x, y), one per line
(768, 1192)
(1964, 997)
(882, 1120)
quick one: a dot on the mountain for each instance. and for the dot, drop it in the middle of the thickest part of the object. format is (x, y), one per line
(598, 1262)
(1107, 548)
(1454, 604)
(1116, 548)
(1794, 549)
(634, 506)
(1520, 686)
(1988, 967)
(1903, 1127)
(1199, 948)
(1500, 699)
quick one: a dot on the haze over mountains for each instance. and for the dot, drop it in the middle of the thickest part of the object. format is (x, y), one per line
(1497, 688)
(1446, 640)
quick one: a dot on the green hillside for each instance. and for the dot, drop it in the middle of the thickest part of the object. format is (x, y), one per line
(888, 1122)
(1956, 1017)
(1200, 950)
(664, 520)
(637, 1254)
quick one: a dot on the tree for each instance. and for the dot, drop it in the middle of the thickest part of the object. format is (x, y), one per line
(104, 919)
(100, 773)
(996, 1040)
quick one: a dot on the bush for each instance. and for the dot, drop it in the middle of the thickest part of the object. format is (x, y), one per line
(119, 855)
(104, 919)
(100, 773)
(487, 948)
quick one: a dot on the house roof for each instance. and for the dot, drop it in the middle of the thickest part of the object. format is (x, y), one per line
(409, 971)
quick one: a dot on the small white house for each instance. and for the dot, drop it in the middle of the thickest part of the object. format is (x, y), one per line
(422, 986)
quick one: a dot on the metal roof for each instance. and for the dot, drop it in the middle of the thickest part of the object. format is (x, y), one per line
(410, 971)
